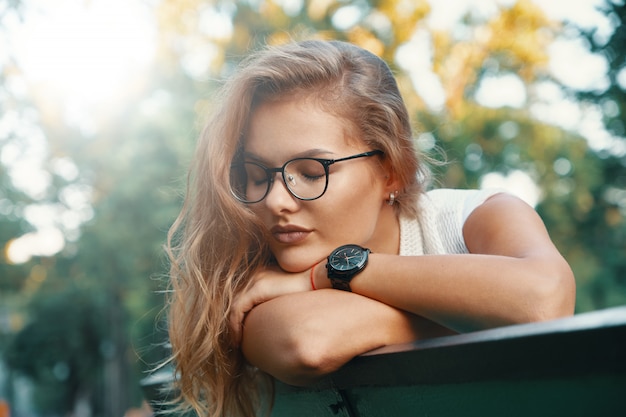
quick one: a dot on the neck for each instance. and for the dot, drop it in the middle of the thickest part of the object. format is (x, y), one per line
(386, 238)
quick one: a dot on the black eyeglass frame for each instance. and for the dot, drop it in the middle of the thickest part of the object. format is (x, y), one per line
(326, 163)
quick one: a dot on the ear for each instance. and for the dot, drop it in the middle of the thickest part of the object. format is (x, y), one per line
(392, 182)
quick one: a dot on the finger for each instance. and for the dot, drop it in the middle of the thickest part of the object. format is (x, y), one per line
(242, 305)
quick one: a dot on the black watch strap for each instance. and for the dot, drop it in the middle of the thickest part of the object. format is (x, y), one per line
(340, 284)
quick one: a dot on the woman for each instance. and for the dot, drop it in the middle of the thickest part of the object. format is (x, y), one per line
(312, 150)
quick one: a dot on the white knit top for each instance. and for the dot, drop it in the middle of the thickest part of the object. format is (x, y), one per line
(439, 227)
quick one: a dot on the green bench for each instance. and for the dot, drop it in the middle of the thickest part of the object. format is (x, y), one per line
(569, 367)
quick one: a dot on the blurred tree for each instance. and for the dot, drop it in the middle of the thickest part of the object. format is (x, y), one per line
(61, 348)
(12, 200)
(132, 168)
(604, 225)
(582, 190)
(612, 98)
(128, 172)
(11, 226)
(582, 195)
(114, 265)
(198, 26)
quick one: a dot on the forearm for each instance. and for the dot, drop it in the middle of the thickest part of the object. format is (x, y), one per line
(513, 273)
(469, 292)
(300, 337)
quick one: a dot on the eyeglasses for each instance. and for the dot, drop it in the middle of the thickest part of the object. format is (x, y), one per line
(305, 178)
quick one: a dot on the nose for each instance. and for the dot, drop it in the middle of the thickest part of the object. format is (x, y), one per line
(279, 198)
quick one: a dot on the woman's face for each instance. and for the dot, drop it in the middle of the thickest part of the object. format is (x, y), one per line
(352, 210)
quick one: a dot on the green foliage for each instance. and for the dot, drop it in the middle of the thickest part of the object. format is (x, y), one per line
(61, 347)
(613, 49)
(603, 225)
(95, 311)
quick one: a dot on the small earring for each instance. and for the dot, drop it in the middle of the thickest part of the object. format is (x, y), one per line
(392, 198)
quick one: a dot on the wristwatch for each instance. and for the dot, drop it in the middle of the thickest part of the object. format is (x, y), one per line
(344, 263)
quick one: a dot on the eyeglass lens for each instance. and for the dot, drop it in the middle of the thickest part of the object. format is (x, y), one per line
(305, 178)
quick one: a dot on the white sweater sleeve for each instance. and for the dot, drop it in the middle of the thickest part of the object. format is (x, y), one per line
(453, 209)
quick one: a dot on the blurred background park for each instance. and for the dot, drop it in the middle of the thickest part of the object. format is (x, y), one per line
(101, 102)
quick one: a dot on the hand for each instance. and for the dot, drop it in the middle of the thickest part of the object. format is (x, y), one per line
(268, 283)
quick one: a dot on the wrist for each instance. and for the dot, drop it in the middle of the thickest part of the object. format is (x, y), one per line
(345, 263)
(318, 276)
(313, 276)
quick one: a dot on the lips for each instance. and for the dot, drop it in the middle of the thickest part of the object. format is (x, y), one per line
(289, 234)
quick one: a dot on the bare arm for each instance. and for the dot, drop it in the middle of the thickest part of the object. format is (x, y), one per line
(300, 337)
(513, 274)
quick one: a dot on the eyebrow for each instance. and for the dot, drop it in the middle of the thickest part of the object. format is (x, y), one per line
(310, 153)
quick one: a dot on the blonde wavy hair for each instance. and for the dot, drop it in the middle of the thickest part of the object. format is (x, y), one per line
(217, 243)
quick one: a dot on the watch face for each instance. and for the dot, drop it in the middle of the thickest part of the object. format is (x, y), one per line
(348, 258)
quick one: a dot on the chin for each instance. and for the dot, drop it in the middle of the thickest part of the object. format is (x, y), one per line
(293, 267)
(296, 260)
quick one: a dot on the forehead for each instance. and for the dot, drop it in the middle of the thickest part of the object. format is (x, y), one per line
(280, 129)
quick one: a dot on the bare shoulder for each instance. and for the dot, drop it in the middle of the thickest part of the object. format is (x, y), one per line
(506, 225)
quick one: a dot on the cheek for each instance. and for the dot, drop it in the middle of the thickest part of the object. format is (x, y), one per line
(359, 189)
(354, 210)
(261, 212)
